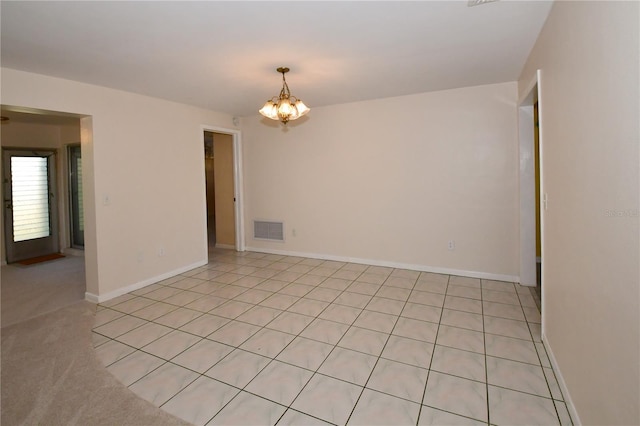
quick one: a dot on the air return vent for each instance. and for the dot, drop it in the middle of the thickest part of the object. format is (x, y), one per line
(263, 230)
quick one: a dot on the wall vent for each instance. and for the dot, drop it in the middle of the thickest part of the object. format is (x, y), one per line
(263, 230)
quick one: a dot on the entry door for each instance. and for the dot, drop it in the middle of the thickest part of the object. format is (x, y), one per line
(30, 221)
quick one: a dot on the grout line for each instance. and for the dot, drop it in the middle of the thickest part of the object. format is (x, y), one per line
(236, 348)
(383, 346)
(486, 367)
(424, 393)
(273, 359)
(540, 363)
(301, 412)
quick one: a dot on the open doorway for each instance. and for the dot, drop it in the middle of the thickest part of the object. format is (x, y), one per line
(220, 188)
(76, 195)
(211, 190)
(532, 197)
(37, 199)
(536, 165)
(38, 161)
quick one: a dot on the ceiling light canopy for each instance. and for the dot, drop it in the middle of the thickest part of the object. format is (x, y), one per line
(472, 3)
(284, 107)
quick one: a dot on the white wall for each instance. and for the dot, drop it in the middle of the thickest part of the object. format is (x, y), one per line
(393, 180)
(588, 53)
(146, 156)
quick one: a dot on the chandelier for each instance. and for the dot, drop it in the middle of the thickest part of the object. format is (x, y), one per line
(284, 107)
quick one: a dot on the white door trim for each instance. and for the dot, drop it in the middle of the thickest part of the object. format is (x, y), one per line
(238, 192)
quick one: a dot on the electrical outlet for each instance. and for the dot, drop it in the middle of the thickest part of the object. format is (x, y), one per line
(451, 245)
(161, 252)
(293, 232)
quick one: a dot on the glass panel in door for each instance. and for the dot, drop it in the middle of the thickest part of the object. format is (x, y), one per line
(30, 198)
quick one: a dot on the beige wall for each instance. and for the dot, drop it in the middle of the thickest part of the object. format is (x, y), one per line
(146, 156)
(393, 180)
(17, 134)
(588, 53)
(36, 135)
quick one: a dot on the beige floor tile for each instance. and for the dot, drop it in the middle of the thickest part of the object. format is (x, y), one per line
(247, 409)
(456, 395)
(375, 408)
(328, 399)
(200, 401)
(238, 368)
(332, 328)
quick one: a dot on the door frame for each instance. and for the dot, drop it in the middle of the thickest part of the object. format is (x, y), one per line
(52, 178)
(237, 181)
(71, 218)
(527, 186)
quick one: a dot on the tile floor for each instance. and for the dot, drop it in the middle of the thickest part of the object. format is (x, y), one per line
(256, 339)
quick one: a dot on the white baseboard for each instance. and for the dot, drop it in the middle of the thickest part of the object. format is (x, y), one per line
(90, 297)
(563, 385)
(398, 265)
(94, 298)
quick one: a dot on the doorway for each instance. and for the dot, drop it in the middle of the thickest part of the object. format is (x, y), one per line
(76, 210)
(536, 165)
(532, 195)
(29, 187)
(220, 189)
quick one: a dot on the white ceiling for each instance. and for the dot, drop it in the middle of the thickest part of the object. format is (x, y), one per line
(223, 55)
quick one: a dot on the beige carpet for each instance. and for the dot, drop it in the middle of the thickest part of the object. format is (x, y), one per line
(29, 291)
(50, 374)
